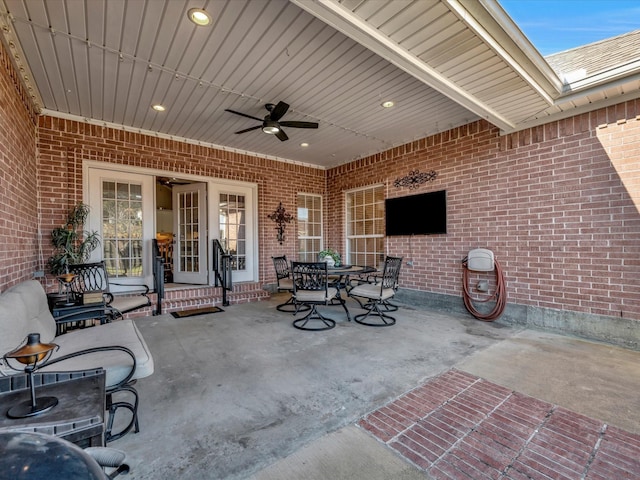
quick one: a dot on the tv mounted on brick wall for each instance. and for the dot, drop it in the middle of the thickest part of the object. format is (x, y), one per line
(422, 214)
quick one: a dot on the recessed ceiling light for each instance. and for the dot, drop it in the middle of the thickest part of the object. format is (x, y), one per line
(199, 17)
(387, 104)
(158, 108)
(304, 144)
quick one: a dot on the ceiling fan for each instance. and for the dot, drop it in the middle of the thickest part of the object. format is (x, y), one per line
(271, 124)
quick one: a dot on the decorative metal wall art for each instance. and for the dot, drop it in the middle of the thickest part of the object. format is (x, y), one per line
(281, 217)
(415, 179)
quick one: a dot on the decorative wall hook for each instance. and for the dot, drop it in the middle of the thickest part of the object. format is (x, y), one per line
(281, 217)
(415, 179)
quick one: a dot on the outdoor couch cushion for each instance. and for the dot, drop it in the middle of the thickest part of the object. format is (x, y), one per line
(316, 295)
(370, 290)
(24, 309)
(127, 303)
(285, 284)
(117, 365)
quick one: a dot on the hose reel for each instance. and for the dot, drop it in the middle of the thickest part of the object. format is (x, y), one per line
(482, 260)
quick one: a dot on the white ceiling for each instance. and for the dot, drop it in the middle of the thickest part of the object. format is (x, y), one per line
(444, 63)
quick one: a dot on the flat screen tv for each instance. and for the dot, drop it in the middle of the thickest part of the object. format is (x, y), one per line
(422, 214)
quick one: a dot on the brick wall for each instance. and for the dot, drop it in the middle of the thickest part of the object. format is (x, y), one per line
(558, 204)
(18, 205)
(63, 145)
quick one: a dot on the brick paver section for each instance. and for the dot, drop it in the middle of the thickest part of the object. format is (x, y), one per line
(459, 426)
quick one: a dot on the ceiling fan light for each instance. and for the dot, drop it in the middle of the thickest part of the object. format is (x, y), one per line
(270, 127)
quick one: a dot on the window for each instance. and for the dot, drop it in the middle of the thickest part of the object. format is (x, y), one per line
(365, 226)
(309, 227)
(122, 228)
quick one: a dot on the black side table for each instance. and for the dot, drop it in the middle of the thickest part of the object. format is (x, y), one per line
(75, 316)
(79, 415)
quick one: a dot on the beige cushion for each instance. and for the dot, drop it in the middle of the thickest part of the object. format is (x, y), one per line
(24, 310)
(316, 296)
(117, 365)
(369, 290)
(126, 303)
(285, 284)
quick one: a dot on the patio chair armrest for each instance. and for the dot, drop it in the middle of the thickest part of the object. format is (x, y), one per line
(108, 297)
(145, 288)
(88, 351)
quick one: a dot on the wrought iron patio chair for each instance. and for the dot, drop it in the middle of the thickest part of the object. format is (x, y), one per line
(375, 278)
(375, 296)
(93, 277)
(285, 284)
(311, 289)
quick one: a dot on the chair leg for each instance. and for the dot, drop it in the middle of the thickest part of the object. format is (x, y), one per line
(290, 306)
(389, 307)
(314, 321)
(373, 309)
(113, 407)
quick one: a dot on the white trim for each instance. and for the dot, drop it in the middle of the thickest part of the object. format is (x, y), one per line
(345, 215)
(86, 164)
(213, 184)
(531, 53)
(321, 237)
(481, 32)
(93, 197)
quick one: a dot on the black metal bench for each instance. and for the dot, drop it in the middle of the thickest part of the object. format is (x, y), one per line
(94, 278)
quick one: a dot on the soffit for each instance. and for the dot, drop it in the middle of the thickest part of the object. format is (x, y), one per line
(444, 62)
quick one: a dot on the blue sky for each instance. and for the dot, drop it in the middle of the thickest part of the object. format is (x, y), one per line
(557, 25)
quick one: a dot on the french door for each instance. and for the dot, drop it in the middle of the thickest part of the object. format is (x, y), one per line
(190, 233)
(123, 211)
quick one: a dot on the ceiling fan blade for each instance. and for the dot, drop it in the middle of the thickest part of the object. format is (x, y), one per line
(278, 111)
(243, 114)
(282, 136)
(249, 129)
(295, 124)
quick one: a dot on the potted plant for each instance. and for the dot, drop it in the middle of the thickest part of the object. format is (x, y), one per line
(72, 243)
(331, 256)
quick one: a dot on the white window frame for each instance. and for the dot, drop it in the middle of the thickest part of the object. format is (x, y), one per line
(310, 237)
(349, 237)
(214, 185)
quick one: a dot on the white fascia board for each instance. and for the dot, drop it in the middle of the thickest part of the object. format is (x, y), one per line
(600, 81)
(572, 112)
(525, 52)
(343, 20)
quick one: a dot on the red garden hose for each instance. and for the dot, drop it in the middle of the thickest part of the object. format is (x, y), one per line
(500, 295)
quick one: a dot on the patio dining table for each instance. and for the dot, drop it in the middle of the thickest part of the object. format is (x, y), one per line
(339, 278)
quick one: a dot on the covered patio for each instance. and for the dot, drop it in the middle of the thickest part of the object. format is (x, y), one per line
(241, 394)
(537, 158)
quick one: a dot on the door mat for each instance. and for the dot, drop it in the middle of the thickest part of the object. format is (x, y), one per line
(196, 311)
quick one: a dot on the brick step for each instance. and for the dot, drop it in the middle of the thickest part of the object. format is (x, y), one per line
(189, 298)
(178, 299)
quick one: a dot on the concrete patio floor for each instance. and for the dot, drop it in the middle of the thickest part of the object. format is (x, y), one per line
(242, 394)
